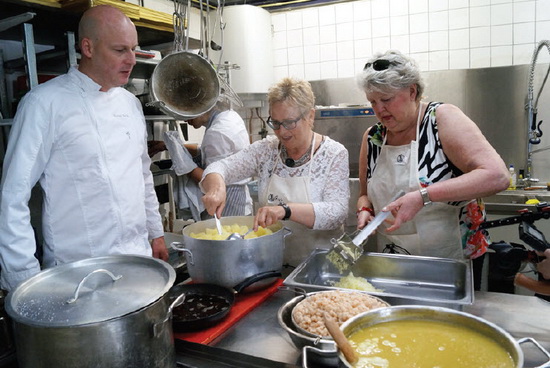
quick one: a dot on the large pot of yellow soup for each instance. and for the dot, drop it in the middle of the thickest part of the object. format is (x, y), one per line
(420, 336)
(250, 263)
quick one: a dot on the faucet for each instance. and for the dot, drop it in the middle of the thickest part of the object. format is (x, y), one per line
(533, 129)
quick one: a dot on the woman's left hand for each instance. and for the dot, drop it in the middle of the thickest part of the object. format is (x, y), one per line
(404, 209)
(544, 266)
(268, 215)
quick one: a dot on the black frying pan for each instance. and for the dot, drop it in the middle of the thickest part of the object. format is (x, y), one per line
(207, 304)
(204, 306)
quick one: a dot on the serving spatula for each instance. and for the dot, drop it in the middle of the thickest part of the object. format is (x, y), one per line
(346, 251)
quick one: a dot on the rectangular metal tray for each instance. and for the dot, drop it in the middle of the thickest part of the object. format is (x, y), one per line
(403, 279)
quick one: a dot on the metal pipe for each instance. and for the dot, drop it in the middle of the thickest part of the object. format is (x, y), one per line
(533, 136)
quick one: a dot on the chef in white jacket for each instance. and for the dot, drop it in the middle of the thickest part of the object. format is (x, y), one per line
(83, 137)
(225, 135)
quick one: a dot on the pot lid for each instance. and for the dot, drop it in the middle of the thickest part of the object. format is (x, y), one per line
(90, 291)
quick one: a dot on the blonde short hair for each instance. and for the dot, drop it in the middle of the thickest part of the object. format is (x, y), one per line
(297, 91)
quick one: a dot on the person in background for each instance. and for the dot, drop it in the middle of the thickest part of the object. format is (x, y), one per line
(544, 266)
(302, 175)
(84, 139)
(225, 134)
(435, 154)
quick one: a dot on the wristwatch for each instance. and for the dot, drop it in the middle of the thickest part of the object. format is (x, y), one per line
(425, 197)
(288, 212)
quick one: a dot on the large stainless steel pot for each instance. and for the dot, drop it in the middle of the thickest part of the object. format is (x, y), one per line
(231, 262)
(184, 85)
(467, 320)
(100, 312)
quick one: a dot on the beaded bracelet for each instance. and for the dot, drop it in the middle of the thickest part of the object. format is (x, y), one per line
(368, 209)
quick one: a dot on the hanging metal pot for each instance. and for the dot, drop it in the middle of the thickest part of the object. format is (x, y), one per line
(100, 312)
(184, 85)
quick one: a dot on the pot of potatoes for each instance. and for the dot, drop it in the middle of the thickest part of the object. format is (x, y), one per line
(251, 263)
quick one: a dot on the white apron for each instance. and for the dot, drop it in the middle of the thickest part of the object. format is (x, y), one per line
(302, 241)
(434, 231)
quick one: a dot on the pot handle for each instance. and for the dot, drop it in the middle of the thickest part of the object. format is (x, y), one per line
(157, 327)
(176, 246)
(254, 278)
(288, 232)
(540, 347)
(6, 332)
(310, 349)
(155, 104)
(77, 290)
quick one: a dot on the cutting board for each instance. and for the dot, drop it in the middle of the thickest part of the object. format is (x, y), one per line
(244, 303)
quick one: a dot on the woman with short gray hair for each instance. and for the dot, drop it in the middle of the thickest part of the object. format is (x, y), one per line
(404, 72)
(435, 154)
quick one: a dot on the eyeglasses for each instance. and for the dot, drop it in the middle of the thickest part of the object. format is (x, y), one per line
(380, 64)
(288, 124)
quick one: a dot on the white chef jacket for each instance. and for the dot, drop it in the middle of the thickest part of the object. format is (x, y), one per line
(225, 135)
(88, 150)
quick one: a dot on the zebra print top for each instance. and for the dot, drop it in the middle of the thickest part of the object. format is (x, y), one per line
(433, 167)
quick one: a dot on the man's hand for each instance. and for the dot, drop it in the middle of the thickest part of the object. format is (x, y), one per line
(159, 248)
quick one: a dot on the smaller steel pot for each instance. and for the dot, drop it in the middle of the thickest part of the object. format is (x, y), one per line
(305, 332)
(325, 349)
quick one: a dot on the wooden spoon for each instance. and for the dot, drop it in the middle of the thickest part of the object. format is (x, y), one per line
(340, 339)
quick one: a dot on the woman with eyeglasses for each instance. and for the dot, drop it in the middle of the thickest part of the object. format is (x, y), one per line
(302, 175)
(433, 152)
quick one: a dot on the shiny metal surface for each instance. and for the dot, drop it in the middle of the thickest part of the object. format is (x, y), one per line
(128, 341)
(403, 279)
(436, 314)
(511, 201)
(494, 98)
(184, 85)
(348, 131)
(301, 339)
(230, 262)
(43, 299)
(259, 333)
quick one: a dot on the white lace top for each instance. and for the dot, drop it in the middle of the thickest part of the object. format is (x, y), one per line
(329, 182)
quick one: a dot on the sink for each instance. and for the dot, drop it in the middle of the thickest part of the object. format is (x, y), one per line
(511, 201)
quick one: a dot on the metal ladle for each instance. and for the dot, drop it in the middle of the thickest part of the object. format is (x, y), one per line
(237, 236)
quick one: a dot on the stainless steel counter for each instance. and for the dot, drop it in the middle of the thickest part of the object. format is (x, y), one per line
(259, 333)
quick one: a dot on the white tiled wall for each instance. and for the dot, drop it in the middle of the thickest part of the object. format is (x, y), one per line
(334, 41)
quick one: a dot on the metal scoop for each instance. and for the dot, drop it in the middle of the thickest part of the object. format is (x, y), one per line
(237, 236)
(346, 251)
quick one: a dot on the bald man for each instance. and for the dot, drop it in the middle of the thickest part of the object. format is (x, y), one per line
(83, 138)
